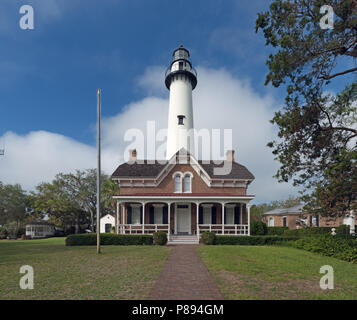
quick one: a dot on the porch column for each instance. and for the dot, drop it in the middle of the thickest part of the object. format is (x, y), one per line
(123, 220)
(168, 220)
(118, 213)
(240, 213)
(222, 204)
(248, 211)
(143, 225)
(198, 219)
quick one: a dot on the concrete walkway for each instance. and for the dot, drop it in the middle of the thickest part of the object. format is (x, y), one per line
(185, 277)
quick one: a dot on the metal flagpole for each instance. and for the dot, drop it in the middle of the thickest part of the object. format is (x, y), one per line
(98, 171)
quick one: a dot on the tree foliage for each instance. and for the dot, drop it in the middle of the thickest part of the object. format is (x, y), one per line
(70, 199)
(317, 138)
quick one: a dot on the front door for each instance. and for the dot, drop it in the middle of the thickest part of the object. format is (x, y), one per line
(183, 219)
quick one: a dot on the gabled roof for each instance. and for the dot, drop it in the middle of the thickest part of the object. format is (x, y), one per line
(285, 211)
(152, 169)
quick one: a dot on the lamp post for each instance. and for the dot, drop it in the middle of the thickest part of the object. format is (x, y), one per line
(98, 171)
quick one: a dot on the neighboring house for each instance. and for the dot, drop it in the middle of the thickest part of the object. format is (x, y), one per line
(181, 195)
(40, 229)
(107, 222)
(295, 218)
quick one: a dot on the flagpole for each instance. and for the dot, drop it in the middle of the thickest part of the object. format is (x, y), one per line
(98, 170)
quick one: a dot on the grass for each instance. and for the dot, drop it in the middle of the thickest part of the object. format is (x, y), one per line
(272, 272)
(60, 272)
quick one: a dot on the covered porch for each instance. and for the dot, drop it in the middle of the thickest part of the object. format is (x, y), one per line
(183, 215)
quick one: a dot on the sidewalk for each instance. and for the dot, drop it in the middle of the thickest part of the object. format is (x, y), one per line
(185, 277)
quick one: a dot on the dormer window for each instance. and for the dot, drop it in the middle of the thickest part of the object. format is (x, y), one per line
(187, 182)
(178, 182)
(180, 119)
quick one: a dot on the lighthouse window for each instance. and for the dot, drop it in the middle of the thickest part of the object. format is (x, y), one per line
(180, 119)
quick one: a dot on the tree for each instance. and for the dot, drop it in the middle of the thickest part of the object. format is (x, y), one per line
(13, 204)
(317, 135)
(71, 198)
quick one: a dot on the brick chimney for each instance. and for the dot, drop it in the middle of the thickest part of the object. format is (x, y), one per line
(230, 155)
(132, 155)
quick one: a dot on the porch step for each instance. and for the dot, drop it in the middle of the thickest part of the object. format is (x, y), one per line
(183, 239)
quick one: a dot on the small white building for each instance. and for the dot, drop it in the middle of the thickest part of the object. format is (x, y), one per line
(107, 222)
(40, 229)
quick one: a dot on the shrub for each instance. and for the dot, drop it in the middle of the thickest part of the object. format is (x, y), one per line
(308, 231)
(258, 228)
(160, 238)
(343, 229)
(25, 237)
(277, 231)
(252, 240)
(90, 239)
(208, 238)
(340, 247)
(21, 232)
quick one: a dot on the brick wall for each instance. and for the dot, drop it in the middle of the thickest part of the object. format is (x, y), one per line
(291, 220)
(198, 185)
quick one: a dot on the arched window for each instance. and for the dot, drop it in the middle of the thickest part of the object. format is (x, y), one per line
(187, 182)
(271, 222)
(178, 183)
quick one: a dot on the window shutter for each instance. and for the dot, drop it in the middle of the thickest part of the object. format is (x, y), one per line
(164, 215)
(141, 215)
(129, 214)
(152, 213)
(236, 214)
(317, 220)
(200, 215)
(311, 221)
(214, 215)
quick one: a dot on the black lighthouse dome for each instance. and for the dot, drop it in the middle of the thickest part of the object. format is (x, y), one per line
(181, 65)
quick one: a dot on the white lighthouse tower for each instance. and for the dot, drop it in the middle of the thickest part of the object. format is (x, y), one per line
(181, 79)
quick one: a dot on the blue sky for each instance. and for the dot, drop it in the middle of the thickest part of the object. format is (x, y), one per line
(49, 74)
(49, 77)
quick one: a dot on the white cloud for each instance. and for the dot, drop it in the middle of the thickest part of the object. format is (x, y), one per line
(38, 156)
(220, 101)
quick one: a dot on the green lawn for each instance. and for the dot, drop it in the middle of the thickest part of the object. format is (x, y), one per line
(60, 272)
(272, 272)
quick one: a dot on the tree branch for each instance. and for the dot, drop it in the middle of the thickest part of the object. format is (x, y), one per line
(328, 77)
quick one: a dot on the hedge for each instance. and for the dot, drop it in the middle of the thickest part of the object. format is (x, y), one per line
(108, 239)
(258, 228)
(251, 240)
(339, 247)
(313, 231)
(277, 231)
(208, 238)
(160, 238)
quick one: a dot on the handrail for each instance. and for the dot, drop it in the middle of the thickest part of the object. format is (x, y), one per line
(192, 70)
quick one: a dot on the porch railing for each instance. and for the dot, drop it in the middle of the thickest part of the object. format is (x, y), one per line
(142, 228)
(234, 229)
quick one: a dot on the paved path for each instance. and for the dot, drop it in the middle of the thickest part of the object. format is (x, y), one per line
(185, 277)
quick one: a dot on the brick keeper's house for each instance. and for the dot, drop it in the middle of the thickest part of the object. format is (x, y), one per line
(182, 196)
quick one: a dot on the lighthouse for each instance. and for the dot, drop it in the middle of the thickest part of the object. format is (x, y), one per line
(180, 80)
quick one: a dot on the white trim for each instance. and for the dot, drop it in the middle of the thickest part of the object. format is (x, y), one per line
(245, 199)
